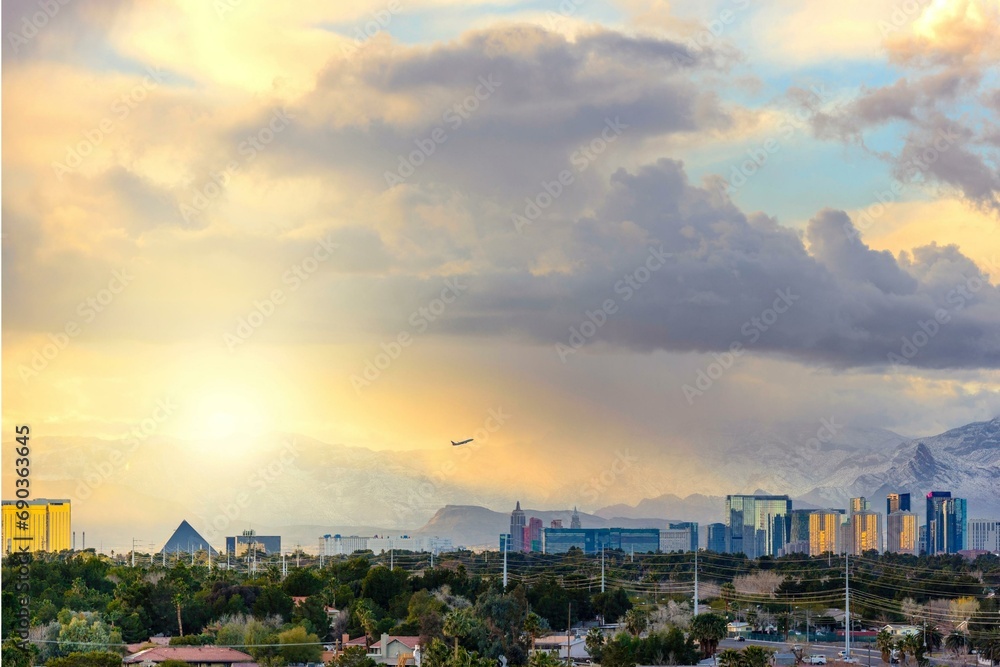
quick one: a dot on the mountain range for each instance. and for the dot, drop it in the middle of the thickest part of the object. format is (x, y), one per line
(302, 488)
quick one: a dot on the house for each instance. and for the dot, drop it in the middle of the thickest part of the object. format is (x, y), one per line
(556, 643)
(152, 642)
(738, 629)
(388, 649)
(901, 630)
(197, 656)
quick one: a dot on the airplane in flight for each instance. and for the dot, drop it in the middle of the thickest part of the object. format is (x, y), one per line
(460, 442)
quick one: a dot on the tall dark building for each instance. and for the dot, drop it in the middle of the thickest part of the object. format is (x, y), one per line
(517, 528)
(718, 539)
(897, 502)
(574, 521)
(947, 521)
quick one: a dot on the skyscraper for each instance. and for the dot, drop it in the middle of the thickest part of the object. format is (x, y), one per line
(901, 534)
(947, 523)
(758, 525)
(534, 542)
(897, 502)
(824, 532)
(865, 532)
(859, 504)
(574, 521)
(718, 540)
(517, 528)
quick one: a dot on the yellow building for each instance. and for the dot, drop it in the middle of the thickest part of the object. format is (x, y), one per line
(865, 532)
(902, 533)
(824, 531)
(46, 527)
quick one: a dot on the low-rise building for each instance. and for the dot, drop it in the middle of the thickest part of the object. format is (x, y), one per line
(388, 649)
(558, 645)
(197, 656)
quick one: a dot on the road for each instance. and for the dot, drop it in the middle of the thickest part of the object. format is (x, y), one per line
(861, 652)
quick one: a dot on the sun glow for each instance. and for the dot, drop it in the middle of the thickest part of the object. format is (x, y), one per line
(219, 414)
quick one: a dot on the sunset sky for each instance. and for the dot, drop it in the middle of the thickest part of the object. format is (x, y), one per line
(246, 210)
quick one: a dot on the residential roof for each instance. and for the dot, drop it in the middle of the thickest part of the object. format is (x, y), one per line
(409, 642)
(194, 654)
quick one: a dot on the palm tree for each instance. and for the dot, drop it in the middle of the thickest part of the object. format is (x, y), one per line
(730, 657)
(757, 656)
(956, 641)
(535, 626)
(458, 623)
(885, 643)
(636, 621)
(707, 630)
(988, 646)
(594, 644)
(366, 618)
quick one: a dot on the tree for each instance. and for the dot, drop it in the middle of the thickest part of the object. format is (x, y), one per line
(636, 621)
(708, 629)
(535, 626)
(459, 623)
(594, 644)
(85, 629)
(365, 613)
(612, 605)
(311, 613)
(352, 656)
(956, 642)
(298, 645)
(544, 659)
(619, 652)
(16, 655)
(885, 644)
(730, 657)
(272, 601)
(88, 659)
(757, 656)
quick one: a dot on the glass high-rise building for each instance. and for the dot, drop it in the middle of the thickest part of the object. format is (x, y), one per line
(718, 538)
(592, 540)
(758, 525)
(947, 523)
(897, 502)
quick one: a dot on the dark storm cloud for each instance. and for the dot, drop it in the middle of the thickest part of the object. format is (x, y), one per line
(847, 305)
(551, 96)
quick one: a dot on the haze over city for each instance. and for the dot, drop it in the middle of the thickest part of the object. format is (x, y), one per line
(633, 249)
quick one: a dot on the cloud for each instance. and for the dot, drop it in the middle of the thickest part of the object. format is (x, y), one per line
(853, 306)
(946, 53)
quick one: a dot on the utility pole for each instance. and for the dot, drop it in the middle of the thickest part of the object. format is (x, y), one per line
(569, 630)
(847, 604)
(133, 552)
(695, 582)
(602, 568)
(506, 545)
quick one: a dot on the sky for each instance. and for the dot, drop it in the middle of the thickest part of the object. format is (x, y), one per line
(372, 223)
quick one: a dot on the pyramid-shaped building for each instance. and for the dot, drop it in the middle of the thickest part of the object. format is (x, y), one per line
(185, 539)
